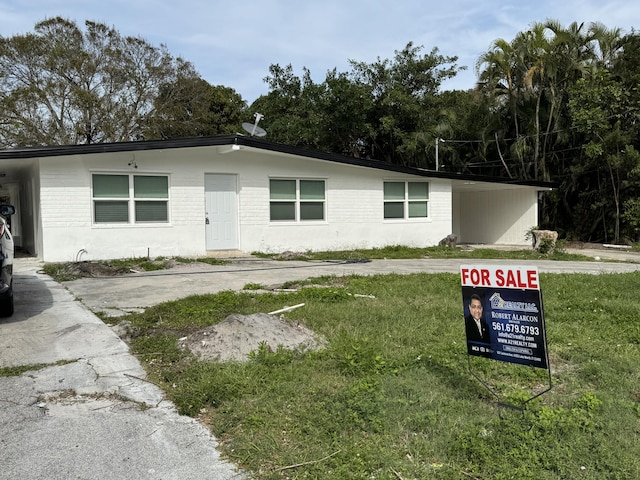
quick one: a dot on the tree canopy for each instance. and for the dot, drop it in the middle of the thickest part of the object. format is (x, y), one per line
(555, 103)
(386, 110)
(61, 85)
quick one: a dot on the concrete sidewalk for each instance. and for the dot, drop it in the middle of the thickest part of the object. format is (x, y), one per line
(92, 416)
(135, 292)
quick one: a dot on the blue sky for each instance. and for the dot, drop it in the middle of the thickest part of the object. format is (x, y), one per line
(233, 42)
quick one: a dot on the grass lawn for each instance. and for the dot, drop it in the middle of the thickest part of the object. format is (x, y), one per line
(392, 398)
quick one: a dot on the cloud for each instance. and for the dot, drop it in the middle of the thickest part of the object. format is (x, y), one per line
(233, 43)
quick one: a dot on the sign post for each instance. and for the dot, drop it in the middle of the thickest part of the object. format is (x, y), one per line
(504, 317)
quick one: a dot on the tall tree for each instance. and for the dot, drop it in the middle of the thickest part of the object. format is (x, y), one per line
(598, 106)
(191, 107)
(60, 85)
(404, 94)
(290, 108)
(536, 70)
(387, 110)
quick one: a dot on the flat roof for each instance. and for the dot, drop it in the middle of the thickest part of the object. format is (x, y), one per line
(254, 143)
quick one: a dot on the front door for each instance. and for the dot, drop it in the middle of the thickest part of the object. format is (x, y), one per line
(221, 212)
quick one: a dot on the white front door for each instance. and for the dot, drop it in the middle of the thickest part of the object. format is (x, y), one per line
(221, 212)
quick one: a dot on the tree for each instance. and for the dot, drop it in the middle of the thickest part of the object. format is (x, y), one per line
(60, 85)
(598, 105)
(290, 107)
(404, 113)
(191, 107)
(387, 110)
(330, 116)
(535, 72)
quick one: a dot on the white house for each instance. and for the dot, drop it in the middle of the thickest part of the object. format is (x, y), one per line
(199, 196)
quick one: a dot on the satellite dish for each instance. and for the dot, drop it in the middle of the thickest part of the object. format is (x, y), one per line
(253, 128)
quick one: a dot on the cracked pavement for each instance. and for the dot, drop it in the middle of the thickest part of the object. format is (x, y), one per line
(89, 413)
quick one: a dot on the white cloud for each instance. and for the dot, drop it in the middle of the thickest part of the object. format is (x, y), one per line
(233, 43)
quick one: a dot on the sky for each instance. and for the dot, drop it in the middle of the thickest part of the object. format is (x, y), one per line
(233, 42)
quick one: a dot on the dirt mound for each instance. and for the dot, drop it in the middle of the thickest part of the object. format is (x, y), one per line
(237, 335)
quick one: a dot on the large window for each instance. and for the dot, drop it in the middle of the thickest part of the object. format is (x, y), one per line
(406, 200)
(293, 200)
(124, 198)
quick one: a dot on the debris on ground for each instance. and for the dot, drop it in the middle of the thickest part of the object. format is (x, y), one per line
(237, 336)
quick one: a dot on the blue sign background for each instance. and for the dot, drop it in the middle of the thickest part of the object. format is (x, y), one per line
(516, 325)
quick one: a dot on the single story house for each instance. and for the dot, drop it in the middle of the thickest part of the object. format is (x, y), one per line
(201, 196)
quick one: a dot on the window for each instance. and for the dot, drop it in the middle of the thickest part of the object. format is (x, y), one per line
(293, 200)
(406, 200)
(120, 198)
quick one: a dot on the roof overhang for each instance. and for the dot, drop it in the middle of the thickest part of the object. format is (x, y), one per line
(12, 161)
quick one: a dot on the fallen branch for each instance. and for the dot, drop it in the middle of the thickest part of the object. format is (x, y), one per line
(311, 462)
(397, 474)
(286, 309)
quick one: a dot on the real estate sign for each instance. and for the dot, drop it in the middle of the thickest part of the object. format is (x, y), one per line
(504, 318)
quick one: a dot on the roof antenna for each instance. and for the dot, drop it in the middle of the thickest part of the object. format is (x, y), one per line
(253, 128)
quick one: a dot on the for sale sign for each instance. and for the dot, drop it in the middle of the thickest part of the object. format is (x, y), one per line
(504, 319)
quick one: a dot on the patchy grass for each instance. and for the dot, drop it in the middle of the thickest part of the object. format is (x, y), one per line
(207, 260)
(391, 397)
(20, 369)
(402, 252)
(64, 272)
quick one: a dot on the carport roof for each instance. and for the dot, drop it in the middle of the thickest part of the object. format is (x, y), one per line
(251, 143)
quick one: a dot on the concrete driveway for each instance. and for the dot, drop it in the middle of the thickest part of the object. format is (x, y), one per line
(89, 414)
(134, 292)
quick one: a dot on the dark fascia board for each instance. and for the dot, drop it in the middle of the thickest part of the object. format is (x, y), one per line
(55, 151)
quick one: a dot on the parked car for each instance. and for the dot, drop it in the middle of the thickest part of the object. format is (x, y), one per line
(6, 257)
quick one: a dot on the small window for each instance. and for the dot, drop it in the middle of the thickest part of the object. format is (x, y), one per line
(111, 198)
(151, 194)
(293, 200)
(406, 200)
(283, 199)
(120, 198)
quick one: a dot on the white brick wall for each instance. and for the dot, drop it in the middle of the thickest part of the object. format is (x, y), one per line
(354, 202)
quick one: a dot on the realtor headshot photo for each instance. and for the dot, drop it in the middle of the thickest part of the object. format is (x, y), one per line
(476, 326)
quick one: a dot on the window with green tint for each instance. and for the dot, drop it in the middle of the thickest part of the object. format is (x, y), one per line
(110, 186)
(312, 211)
(283, 211)
(418, 199)
(394, 191)
(110, 212)
(394, 196)
(311, 189)
(114, 201)
(147, 186)
(147, 211)
(282, 189)
(296, 200)
(406, 200)
(418, 191)
(394, 210)
(417, 209)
